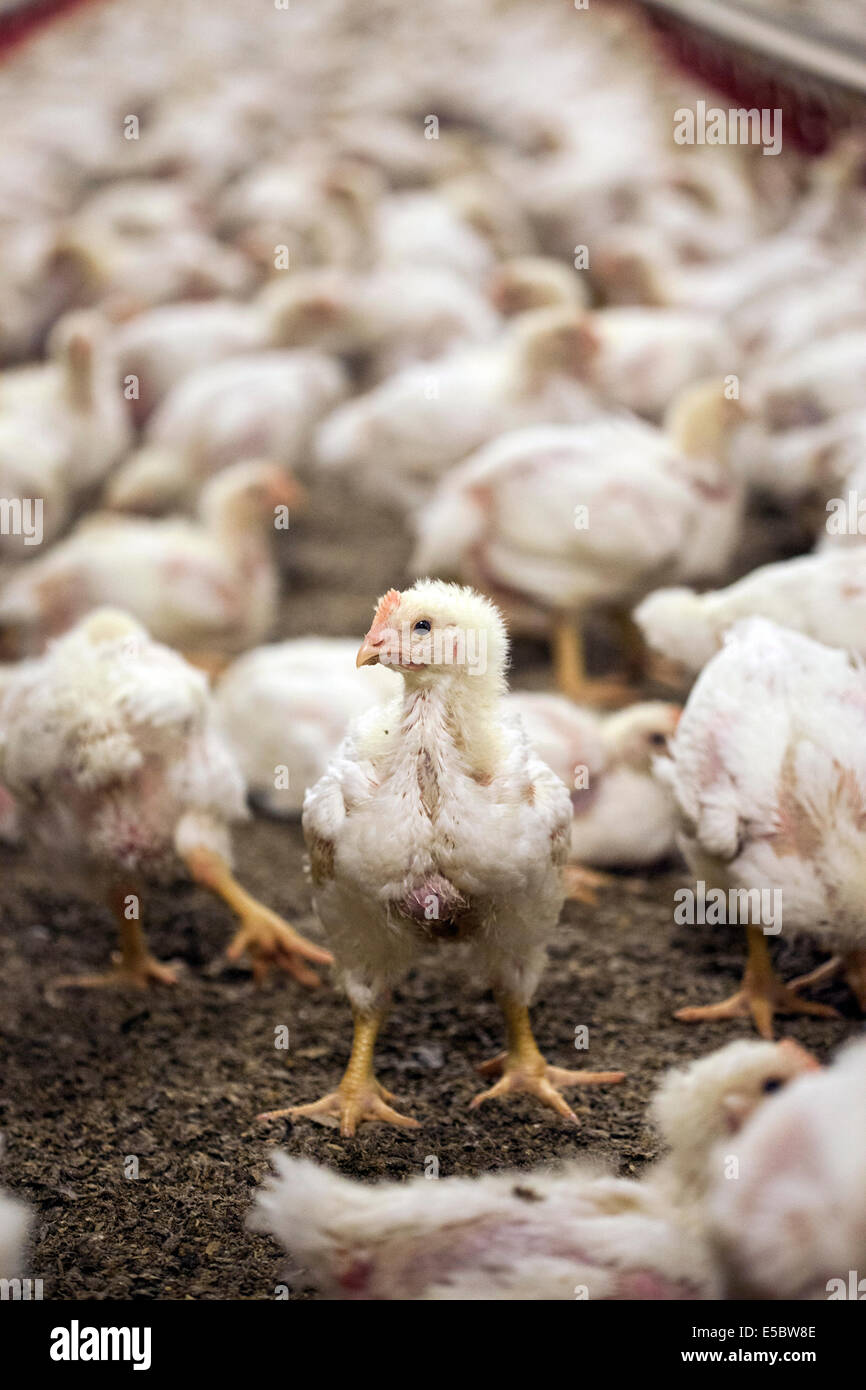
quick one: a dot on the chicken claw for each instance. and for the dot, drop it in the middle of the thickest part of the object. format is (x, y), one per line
(272, 942)
(349, 1106)
(541, 1080)
(133, 965)
(359, 1096)
(761, 996)
(523, 1068)
(145, 971)
(269, 940)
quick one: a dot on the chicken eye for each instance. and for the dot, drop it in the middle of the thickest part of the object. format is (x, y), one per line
(773, 1083)
(657, 740)
(422, 625)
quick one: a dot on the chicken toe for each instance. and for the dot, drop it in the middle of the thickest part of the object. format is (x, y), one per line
(523, 1068)
(762, 995)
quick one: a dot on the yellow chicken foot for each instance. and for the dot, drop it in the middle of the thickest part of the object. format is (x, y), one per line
(359, 1096)
(522, 1067)
(134, 966)
(581, 883)
(761, 995)
(852, 965)
(269, 940)
(569, 666)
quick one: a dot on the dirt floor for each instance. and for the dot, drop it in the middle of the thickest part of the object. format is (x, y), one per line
(175, 1078)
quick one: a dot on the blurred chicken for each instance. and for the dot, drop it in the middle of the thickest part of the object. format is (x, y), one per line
(15, 1221)
(823, 596)
(208, 587)
(793, 1224)
(553, 520)
(536, 282)
(63, 424)
(138, 243)
(110, 746)
(304, 694)
(405, 833)
(768, 770)
(388, 318)
(263, 405)
(163, 345)
(400, 437)
(623, 816)
(641, 358)
(560, 1234)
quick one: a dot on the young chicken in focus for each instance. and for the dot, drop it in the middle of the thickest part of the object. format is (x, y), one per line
(434, 822)
(262, 405)
(623, 816)
(768, 770)
(400, 437)
(552, 520)
(304, 693)
(207, 587)
(793, 1225)
(575, 1232)
(110, 746)
(823, 596)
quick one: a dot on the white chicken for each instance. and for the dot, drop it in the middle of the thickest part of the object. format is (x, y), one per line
(207, 586)
(640, 358)
(823, 596)
(623, 816)
(110, 746)
(573, 1233)
(165, 344)
(262, 405)
(525, 283)
(304, 694)
(140, 242)
(388, 318)
(406, 832)
(792, 1224)
(401, 436)
(769, 775)
(790, 406)
(63, 424)
(552, 520)
(15, 1222)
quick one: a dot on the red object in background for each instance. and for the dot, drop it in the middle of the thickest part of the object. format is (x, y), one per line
(816, 77)
(22, 18)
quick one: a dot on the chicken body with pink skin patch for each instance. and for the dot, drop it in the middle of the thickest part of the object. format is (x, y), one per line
(438, 784)
(574, 1233)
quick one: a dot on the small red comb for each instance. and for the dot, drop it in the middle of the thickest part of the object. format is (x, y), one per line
(387, 603)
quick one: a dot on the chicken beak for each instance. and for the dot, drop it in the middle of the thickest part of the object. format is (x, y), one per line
(368, 653)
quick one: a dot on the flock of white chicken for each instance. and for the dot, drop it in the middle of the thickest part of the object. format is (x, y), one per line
(478, 282)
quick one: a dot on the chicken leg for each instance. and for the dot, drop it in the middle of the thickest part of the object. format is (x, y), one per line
(359, 1095)
(522, 1067)
(852, 964)
(569, 665)
(269, 940)
(133, 964)
(761, 995)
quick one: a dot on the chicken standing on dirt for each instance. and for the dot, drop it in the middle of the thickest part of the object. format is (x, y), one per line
(768, 773)
(110, 746)
(435, 821)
